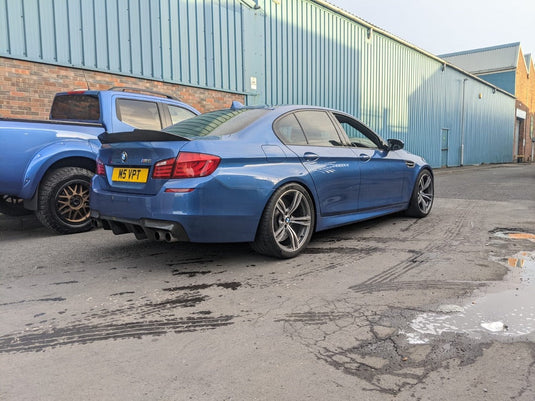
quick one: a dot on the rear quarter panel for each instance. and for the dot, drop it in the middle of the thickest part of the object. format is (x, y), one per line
(28, 147)
(51, 154)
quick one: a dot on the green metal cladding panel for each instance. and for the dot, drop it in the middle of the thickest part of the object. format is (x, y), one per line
(193, 42)
(283, 52)
(314, 55)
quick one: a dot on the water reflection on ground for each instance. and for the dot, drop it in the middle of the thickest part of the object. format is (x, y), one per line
(508, 309)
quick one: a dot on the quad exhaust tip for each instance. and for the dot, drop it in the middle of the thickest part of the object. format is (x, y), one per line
(160, 235)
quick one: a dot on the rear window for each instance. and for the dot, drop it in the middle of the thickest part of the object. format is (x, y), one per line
(76, 107)
(216, 123)
(139, 114)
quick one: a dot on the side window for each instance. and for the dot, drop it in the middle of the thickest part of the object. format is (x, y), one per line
(179, 114)
(139, 114)
(358, 136)
(289, 131)
(319, 128)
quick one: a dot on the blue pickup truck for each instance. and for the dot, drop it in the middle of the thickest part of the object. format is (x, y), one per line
(46, 166)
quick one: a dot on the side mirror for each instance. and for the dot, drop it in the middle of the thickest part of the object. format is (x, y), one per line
(395, 144)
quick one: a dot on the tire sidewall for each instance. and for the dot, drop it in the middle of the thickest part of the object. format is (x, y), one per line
(52, 187)
(271, 246)
(414, 210)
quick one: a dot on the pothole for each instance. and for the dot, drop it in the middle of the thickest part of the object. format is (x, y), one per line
(508, 309)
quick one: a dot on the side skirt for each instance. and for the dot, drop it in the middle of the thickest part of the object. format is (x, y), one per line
(327, 222)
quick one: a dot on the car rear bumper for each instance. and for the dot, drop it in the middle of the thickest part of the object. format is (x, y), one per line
(193, 217)
(158, 230)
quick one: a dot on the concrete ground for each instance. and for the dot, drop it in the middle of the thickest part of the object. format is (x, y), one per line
(390, 309)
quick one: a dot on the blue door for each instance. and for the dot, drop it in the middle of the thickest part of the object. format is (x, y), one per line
(384, 174)
(384, 179)
(444, 148)
(312, 135)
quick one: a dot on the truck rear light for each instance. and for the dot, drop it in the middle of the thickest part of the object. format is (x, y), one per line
(101, 169)
(186, 165)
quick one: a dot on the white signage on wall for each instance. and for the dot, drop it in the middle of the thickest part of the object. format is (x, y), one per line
(520, 114)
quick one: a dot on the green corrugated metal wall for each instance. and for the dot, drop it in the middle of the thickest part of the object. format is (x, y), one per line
(290, 51)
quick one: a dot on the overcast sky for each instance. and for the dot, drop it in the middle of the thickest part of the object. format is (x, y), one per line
(451, 25)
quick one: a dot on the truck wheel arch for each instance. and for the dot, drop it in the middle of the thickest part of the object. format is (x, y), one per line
(81, 162)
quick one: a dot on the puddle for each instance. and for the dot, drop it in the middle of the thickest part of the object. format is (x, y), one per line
(515, 235)
(507, 310)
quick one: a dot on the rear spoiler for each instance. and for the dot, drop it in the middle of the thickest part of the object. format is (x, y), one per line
(140, 135)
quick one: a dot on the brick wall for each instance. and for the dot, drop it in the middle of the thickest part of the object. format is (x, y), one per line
(532, 107)
(525, 94)
(27, 88)
(531, 86)
(522, 89)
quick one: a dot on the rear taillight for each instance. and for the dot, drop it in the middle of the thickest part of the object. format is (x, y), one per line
(186, 165)
(189, 165)
(163, 169)
(101, 169)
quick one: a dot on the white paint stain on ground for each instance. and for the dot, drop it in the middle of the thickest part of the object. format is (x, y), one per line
(509, 312)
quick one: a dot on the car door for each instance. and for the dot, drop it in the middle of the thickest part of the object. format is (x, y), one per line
(383, 173)
(312, 135)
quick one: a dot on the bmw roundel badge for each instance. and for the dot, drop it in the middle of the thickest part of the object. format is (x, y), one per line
(124, 156)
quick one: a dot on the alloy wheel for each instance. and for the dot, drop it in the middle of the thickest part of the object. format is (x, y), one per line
(72, 202)
(292, 220)
(425, 193)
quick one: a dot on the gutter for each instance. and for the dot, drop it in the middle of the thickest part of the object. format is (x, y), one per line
(487, 72)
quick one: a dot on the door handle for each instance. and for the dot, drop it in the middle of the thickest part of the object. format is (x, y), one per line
(364, 157)
(310, 157)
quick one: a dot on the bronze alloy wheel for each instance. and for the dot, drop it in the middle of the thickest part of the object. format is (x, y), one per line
(72, 202)
(63, 203)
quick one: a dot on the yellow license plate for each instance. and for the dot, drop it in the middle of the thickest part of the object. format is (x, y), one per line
(130, 174)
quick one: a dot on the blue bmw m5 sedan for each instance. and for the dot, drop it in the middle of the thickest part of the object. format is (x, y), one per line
(270, 176)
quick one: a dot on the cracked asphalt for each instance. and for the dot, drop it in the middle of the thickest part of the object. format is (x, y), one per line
(368, 312)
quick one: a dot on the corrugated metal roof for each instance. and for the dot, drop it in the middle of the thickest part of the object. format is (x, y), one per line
(495, 58)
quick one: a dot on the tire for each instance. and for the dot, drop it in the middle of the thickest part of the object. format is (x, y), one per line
(287, 223)
(13, 206)
(63, 203)
(422, 195)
